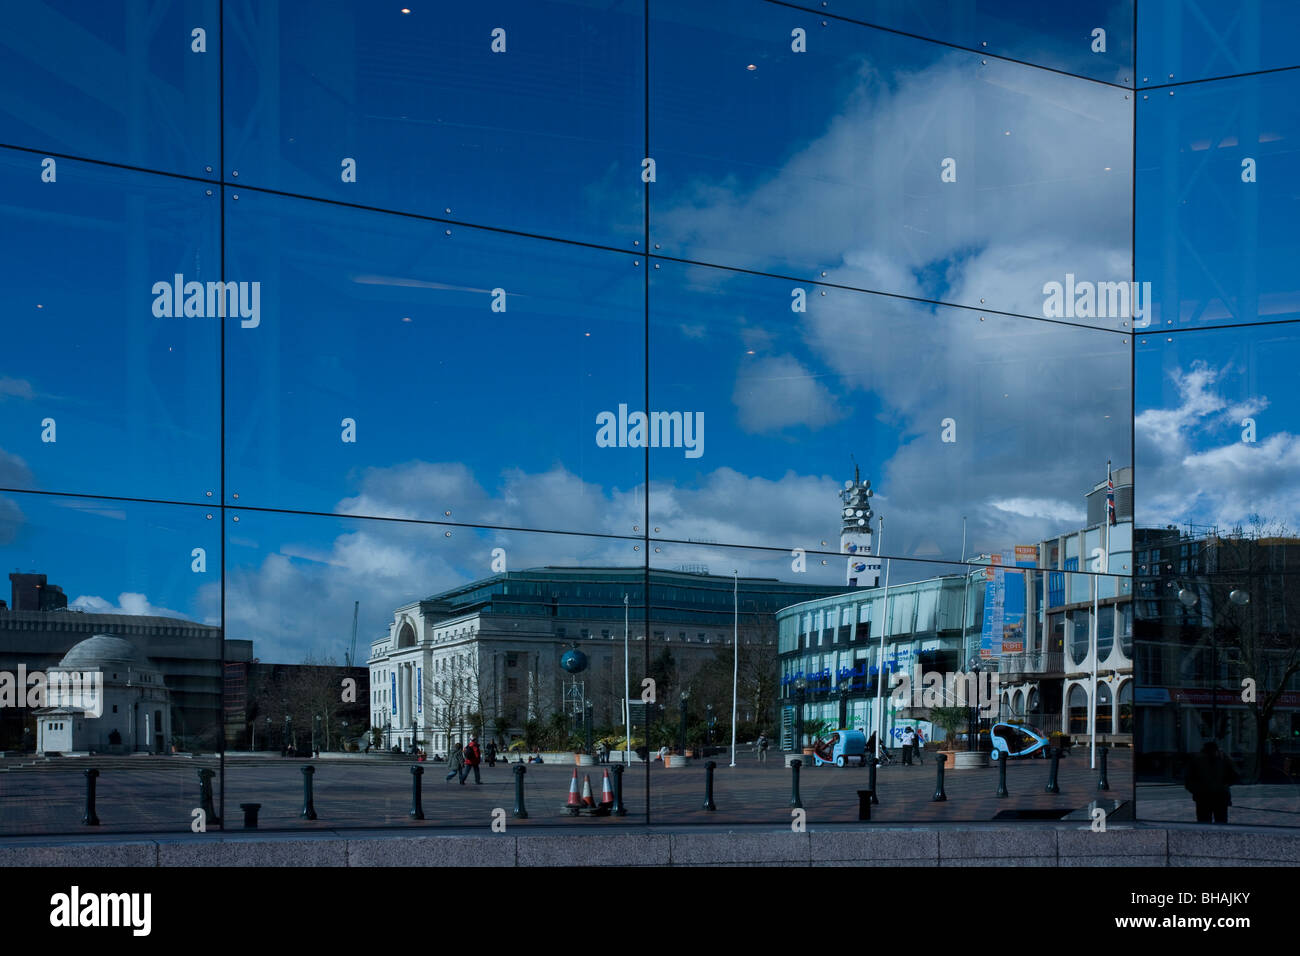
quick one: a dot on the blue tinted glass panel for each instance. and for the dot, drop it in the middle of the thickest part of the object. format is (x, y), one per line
(944, 411)
(105, 388)
(1217, 419)
(1060, 36)
(125, 597)
(883, 162)
(1215, 203)
(545, 136)
(396, 370)
(126, 82)
(1182, 41)
(461, 632)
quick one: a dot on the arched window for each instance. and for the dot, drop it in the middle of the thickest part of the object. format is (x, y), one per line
(1035, 704)
(1126, 707)
(1078, 709)
(406, 636)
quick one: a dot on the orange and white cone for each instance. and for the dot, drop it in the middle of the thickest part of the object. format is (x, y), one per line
(575, 803)
(588, 799)
(606, 793)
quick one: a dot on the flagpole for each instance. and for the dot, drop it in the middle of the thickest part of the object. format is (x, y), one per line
(880, 672)
(1096, 595)
(735, 657)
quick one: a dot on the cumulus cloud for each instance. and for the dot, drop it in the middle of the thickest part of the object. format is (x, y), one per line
(1195, 467)
(776, 393)
(128, 602)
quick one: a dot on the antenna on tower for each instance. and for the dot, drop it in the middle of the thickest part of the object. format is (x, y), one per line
(857, 478)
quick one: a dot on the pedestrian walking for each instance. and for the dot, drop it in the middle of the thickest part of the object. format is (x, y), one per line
(762, 748)
(473, 757)
(1209, 777)
(455, 761)
(918, 746)
(492, 753)
(909, 742)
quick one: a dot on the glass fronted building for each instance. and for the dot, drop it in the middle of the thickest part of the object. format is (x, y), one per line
(310, 310)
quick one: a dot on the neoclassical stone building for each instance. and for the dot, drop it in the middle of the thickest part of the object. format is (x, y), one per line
(494, 646)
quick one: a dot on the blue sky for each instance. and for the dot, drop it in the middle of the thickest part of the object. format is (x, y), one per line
(491, 415)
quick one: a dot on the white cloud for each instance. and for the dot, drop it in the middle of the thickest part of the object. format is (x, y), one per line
(775, 393)
(1195, 467)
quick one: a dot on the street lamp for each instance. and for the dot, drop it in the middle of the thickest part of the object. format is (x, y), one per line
(844, 702)
(1189, 598)
(801, 685)
(972, 665)
(681, 734)
(315, 732)
(268, 732)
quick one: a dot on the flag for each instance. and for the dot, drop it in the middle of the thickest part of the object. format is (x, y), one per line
(1110, 497)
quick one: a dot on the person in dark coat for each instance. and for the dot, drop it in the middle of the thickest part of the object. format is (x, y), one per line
(491, 753)
(455, 762)
(1208, 778)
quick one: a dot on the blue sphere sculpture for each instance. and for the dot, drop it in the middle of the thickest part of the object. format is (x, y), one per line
(574, 661)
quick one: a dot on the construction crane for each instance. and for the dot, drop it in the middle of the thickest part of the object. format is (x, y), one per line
(351, 655)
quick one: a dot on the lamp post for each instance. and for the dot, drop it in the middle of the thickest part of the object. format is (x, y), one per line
(681, 734)
(627, 701)
(844, 703)
(708, 725)
(315, 732)
(972, 665)
(286, 733)
(735, 657)
(268, 732)
(1189, 599)
(802, 686)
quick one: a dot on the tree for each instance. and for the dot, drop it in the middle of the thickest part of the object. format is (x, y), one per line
(1250, 596)
(453, 688)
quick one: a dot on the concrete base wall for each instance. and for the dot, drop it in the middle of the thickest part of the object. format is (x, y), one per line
(1021, 845)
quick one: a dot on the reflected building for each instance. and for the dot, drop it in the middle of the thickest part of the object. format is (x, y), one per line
(129, 709)
(493, 647)
(1218, 657)
(186, 654)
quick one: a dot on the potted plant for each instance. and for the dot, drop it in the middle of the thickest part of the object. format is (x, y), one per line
(950, 720)
(813, 729)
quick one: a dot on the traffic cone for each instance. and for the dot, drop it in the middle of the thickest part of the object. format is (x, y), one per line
(606, 794)
(575, 803)
(588, 800)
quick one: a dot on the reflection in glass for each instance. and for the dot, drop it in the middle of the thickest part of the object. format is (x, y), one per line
(816, 164)
(809, 393)
(111, 643)
(1092, 38)
(400, 371)
(118, 81)
(1214, 209)
(105, 387)
(1183, 42)
(527, 117)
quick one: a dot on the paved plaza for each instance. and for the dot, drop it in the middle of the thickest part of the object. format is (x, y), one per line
(159, 794)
